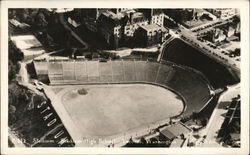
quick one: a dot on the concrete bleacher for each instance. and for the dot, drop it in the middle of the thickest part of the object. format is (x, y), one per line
(55, 72)
(69, 71)
(129, 71)
(192, 87)
(41, 67)
(118, 71)
(93, 71)
(105, 70)
(164, 71)
(151, 71)
(41, 70)
(81, 74)
(140, 70)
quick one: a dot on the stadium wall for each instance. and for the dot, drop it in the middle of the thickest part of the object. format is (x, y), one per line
(193, 88)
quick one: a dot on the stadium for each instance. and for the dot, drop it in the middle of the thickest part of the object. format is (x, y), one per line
(121, 98)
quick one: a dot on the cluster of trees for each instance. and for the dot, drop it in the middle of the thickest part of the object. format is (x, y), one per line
(38, 19)
(15, 56)
(22, 15)
(19, 100)
(180, 15)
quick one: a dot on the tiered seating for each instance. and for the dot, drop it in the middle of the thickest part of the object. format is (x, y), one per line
(41, 68)
(105, 70)
(129, 71)
(68, 71)
(189, 84)
(140, 72)
(118, 71)
(81, 72)
(191, 87)
(93, 71)
(55, 72)
(151, 69)
(163, 73)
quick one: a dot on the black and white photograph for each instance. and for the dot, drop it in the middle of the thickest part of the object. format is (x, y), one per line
(125, 77)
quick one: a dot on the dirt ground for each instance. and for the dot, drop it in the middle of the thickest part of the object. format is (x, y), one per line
(107, 110)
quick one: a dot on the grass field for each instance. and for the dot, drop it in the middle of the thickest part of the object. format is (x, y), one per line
(108, 110)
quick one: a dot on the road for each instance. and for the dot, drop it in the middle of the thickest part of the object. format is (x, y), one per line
(217, 118)
(216, 53)
(190, 37)
(215, 23)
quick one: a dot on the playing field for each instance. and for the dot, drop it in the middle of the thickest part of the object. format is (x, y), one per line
(108, 110)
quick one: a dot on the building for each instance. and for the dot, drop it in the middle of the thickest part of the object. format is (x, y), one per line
(224, 32)
(199, 13)
(29, 46)
(218, 35)
(135, 20)
(118, 28)
(230, 31)
(169, 133)
(223, 13)
(110, 26)
(230, 130)
(90, 18)
(155, 16)
(117, 10)
(119, 25)
(177, 142)
(148, 35)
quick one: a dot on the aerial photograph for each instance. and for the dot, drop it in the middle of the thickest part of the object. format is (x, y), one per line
(124, 77)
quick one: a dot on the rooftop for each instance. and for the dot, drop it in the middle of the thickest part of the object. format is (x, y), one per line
(25, 41)
(113, 16)
(175, 130)
(150, 27)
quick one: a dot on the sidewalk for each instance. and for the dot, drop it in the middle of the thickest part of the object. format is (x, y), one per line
(217, 118)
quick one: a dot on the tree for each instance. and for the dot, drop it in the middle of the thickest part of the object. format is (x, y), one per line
(143, 141)
(204, 122)
(13, 69)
